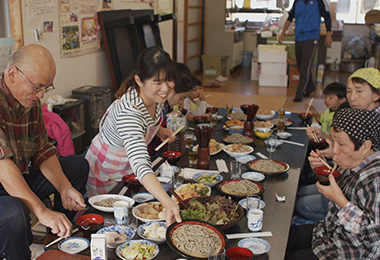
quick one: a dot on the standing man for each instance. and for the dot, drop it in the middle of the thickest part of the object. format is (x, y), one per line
(29, 168)
(308, 15)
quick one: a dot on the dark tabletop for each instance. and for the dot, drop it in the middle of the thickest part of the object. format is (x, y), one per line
(277, 215)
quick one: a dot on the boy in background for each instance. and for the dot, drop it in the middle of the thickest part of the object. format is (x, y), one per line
(196, 104)
(335, 96)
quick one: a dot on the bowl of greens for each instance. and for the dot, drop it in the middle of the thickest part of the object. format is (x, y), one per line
(220, 211)
(208, 178)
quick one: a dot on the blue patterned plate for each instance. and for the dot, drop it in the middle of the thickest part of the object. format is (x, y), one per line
(253, 176)
(243, 203)
(73, 245)
(141, 230)
(258, 246)
(126, 232)
(142, 197)
(141, 243)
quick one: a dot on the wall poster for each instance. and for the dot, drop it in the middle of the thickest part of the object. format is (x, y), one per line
(79, 27)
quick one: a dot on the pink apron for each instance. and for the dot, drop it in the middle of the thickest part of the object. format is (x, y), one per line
(108, 164)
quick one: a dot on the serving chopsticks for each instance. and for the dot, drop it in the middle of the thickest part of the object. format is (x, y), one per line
(167, 139)
(184, 204)
(60, 238)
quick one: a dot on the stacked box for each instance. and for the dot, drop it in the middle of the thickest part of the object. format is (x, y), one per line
(214, 65)
(273, 65)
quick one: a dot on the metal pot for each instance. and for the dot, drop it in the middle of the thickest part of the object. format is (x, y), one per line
(351, 66)
(333, 67)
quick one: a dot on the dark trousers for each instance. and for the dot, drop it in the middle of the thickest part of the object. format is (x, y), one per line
(299, 243)
(305, 52)
(15, 231)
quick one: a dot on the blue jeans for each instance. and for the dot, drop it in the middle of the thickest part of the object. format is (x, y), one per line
(15, 233)
(311, 204)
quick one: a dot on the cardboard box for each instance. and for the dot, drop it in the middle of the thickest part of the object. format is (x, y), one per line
(270, 80)
(214, 65)
(98, 247)
(276, 68)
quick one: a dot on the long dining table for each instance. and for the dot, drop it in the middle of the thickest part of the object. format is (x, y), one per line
(277, 215)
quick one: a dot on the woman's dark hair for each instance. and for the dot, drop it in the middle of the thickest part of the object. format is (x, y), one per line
(196, 81)
(336, 88)
(183, 82)
(152, 62)
(362, 81)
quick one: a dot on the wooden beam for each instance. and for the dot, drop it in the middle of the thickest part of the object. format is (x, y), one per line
(15, 14)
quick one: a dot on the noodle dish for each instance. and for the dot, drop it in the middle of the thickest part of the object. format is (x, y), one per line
(238, 138)
(240, 188)
(104, 202)
(270, 167)
(194, 239)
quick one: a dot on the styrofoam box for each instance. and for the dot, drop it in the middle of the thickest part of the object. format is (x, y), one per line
(271, 47)
(276, 68)
(271, 80)
(275, 56)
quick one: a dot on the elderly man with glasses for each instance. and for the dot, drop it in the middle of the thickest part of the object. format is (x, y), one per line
(29, 168)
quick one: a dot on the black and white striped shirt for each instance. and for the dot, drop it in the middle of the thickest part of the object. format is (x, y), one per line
(126, 126)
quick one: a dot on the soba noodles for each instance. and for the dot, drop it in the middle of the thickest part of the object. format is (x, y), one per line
(196, 240)
(238, 138)
(267, 166)
(106, 202)
(241, 188)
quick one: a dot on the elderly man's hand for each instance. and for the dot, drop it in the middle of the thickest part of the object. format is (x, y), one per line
(56, 221)
(72, 199)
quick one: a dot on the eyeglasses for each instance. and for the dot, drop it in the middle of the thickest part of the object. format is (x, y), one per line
(37, 91)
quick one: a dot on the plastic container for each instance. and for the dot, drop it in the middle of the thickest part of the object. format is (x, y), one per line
(175, 120)
(247, 59)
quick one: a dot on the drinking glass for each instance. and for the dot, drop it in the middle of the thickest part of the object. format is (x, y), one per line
(189, 137)
(229, 109)
(235, 169)
(218, 256)
(132, 221)
(271, 145)
(193, 155)
(253, 202)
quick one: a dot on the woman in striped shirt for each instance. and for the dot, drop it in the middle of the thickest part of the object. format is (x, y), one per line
(129, 125)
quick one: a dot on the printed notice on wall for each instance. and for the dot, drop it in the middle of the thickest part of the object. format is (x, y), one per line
(7, 47)
(79, 27)
(39, 15)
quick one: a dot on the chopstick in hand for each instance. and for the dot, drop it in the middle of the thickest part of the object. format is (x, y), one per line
(60, 238)
(178, 198)
(308, 108)
(325, 163)
(334, 168)
(167, 139)
(315, 137)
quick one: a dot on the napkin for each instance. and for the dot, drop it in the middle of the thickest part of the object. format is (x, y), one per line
(188, 173)
(262, 156)
(221, 164)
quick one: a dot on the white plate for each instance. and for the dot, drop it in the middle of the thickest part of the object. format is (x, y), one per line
(266, 117)
(142, 197)
(243, 203)
(253, 176)
(73, 245)
(96, 198)
(258, 246)
(283, 135)
(219, 117)
(233, 154)
(245, 158)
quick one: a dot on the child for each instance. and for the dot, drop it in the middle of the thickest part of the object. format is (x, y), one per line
(196, 103)
(335, 96)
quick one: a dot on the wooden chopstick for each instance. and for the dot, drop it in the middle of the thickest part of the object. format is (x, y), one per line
(60, 238)
(315, 137)
(334, 168)
(178, 198)
(325, 163)
(167, 139)
(308, 108)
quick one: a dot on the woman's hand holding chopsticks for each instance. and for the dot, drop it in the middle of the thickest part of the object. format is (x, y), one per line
(170, 136)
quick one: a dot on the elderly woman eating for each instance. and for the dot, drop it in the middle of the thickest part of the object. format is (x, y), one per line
(351, 228)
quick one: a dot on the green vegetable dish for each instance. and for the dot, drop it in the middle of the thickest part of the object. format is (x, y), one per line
(208, 179)
(138, 251)
(216, 210)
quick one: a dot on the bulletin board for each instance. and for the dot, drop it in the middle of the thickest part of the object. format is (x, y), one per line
(79, 29)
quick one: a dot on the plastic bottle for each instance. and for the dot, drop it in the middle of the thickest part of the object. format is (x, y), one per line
(321, 69)
(175, 120)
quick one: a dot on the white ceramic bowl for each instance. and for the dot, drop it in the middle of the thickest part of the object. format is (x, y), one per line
(128, 231)
(134, 212)
(198, 175)
(283, 135)
(142, 227)
(266, 117)
(245, 158)
(232, 154)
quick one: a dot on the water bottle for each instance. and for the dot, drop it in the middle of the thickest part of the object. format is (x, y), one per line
(175, 120)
